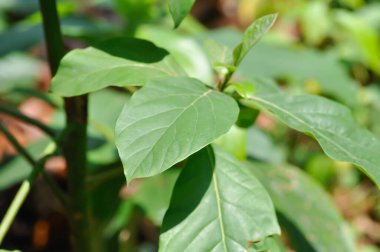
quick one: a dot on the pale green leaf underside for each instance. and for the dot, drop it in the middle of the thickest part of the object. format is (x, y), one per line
(179, 9)
(252, 35)
(168, 120)
(217, 205)
(331, 123)
(86, 70)
(307, 206)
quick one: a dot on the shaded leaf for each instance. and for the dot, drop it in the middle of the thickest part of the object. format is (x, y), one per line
(168, 120)
(132, 49)
(252, 35)
(85, 70)
(226, 210)
(179, 9)
(302, 205)
(331, 123)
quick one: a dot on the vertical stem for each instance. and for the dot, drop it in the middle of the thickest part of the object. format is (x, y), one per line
(75, 144)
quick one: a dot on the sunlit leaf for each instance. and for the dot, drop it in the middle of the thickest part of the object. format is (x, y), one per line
(86, 70)
(168, 120)
(252, 35)
(331, 123)
(217, 205)
(179, 9)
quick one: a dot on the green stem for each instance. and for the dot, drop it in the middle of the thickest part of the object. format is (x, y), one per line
(15, 113)
(20, 197)
(75, 144)
(13, 209)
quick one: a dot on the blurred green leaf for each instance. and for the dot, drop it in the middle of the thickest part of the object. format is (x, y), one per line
(179, 9)
(153, 131)
(226, 210)
(252, 36)
(331, 123)
(85, 70)
(305, 210)
(235, 141)
(260, 146)
(365, 36)
(182, 48)
(18, 168)
(17, 70)
(155, 204)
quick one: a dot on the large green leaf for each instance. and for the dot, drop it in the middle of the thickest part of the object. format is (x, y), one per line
(217, 205)
(179, 9)
(168, 120)
(252, 35)
(306, 211)
(331, 123)
(86, 70)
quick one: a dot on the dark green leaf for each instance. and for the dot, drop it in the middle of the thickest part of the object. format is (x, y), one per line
(132, 49)
(217, 205)
(168, 120)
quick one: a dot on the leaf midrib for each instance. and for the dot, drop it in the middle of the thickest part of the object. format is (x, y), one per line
(307, 125)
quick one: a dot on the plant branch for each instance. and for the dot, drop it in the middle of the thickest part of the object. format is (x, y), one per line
(17, 114)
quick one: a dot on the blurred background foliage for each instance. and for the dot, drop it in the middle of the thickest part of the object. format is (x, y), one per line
(323, 47)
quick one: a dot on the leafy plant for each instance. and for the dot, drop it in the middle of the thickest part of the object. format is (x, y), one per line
(175, 121)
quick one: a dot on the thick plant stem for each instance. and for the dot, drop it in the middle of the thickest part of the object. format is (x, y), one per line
(74, 150)
(75, 144)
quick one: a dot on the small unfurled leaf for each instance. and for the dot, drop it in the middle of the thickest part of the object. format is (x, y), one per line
(252, 35)
(167, 121)
(85, 70)
(331, 123)
(302, 204)
(179, 9)
(217, 205)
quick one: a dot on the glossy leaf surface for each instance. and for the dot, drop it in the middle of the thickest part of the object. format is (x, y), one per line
(168, 120)
(217, 205)
(331, 123)
(85, 70)
(308, 213)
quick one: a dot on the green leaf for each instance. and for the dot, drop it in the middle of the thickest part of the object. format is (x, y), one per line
(179, 9)
(331, 123)
(252, 35)
(302, 205)
(217, 205)
(85, 70)
(168, 120)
